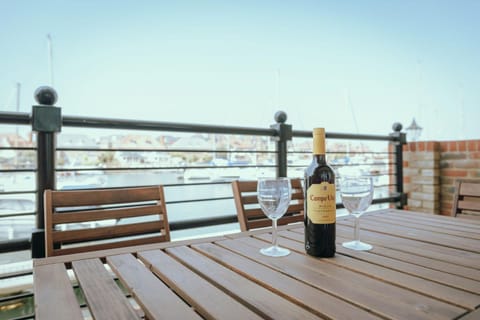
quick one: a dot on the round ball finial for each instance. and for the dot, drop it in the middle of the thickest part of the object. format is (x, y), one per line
(397, 127)
(280, 117)
(46, 95)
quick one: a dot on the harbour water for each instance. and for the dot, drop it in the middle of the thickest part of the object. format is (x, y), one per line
(195, 197)
(186, 199)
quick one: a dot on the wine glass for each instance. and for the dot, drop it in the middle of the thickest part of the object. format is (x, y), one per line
(357, 194)
(274, 197)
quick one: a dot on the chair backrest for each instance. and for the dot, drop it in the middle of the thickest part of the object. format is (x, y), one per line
(251, 216)
(466, 200)
(94, 219)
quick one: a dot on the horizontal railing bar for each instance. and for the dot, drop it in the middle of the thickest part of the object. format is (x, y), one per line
(17, 170)
(344, 152)
(17, 296)
(17, 192)
(199, 200)
(18, 148)
(88, 122)
(25, 317)
(15, 245)
(107, 123)
(195, 183)
(162, 150)
(384, 185)
(17, 214)
(15, 117)
(209, 150)
(161, 168)
(390, 199)
(205, 167)
(14, 274)
(347, 165)
(202, 222)
(345, 136)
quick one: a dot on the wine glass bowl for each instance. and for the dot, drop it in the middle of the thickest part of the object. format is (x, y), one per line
(357, 194)
(274, 196)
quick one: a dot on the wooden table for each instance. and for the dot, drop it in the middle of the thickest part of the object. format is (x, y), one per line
(421, 267)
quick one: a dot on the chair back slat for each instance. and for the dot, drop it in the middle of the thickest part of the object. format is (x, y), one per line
(470, 189)
(112, 245)
(250, 215)
(104, 214)
(111, 232)
(466, 200)
(105, 196)
(473, 205)
(93, 219)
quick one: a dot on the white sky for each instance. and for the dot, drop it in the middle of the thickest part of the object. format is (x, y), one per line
(238, 62)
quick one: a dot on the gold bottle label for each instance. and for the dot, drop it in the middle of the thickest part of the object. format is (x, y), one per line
(321, 203)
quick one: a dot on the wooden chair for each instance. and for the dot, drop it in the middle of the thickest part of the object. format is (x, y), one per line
(251, 216)
(94, 219)
(466, 200)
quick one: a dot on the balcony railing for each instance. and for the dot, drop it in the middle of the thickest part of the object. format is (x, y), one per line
(194, 162)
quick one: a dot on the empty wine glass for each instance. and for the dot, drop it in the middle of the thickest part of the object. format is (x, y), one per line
(357, 194)
(274, 197)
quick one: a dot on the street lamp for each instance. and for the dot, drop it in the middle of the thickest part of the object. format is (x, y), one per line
(414, 131)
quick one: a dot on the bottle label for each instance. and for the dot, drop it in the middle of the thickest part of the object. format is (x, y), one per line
(321, 203)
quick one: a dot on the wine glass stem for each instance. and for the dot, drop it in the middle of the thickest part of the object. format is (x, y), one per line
(274, 233)
(357, 229)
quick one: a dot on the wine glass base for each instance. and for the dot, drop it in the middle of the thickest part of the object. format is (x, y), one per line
(275, 251)
(357, 245)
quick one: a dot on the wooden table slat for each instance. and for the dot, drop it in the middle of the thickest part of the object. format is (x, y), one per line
(390, 262)
(448, 294)
(146, 288)
(427, 225)
(475, 315)
(382, 298)
(207, 299)
(298, 292)
(437, 238)
(52, 287)
(434, 218)
(430, 250)
(260, 299)
(104, 298)
(422, 272)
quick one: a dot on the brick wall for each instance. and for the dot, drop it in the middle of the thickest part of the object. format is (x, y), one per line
(422, 176)
(430, 170)
(459, 159)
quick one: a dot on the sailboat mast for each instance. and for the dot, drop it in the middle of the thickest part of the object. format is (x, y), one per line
(350, 108)
(50, 58)
(17, 105)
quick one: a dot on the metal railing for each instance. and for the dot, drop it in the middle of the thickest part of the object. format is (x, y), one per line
(274, 149)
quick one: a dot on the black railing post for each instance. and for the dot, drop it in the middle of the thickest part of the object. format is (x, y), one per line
(399, 140)
(284, 134)
(46, 121)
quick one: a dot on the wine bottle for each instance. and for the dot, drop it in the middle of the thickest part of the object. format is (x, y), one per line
(320, 202)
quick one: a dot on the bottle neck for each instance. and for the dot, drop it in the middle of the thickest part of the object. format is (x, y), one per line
(319, 158)
(319, 145)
